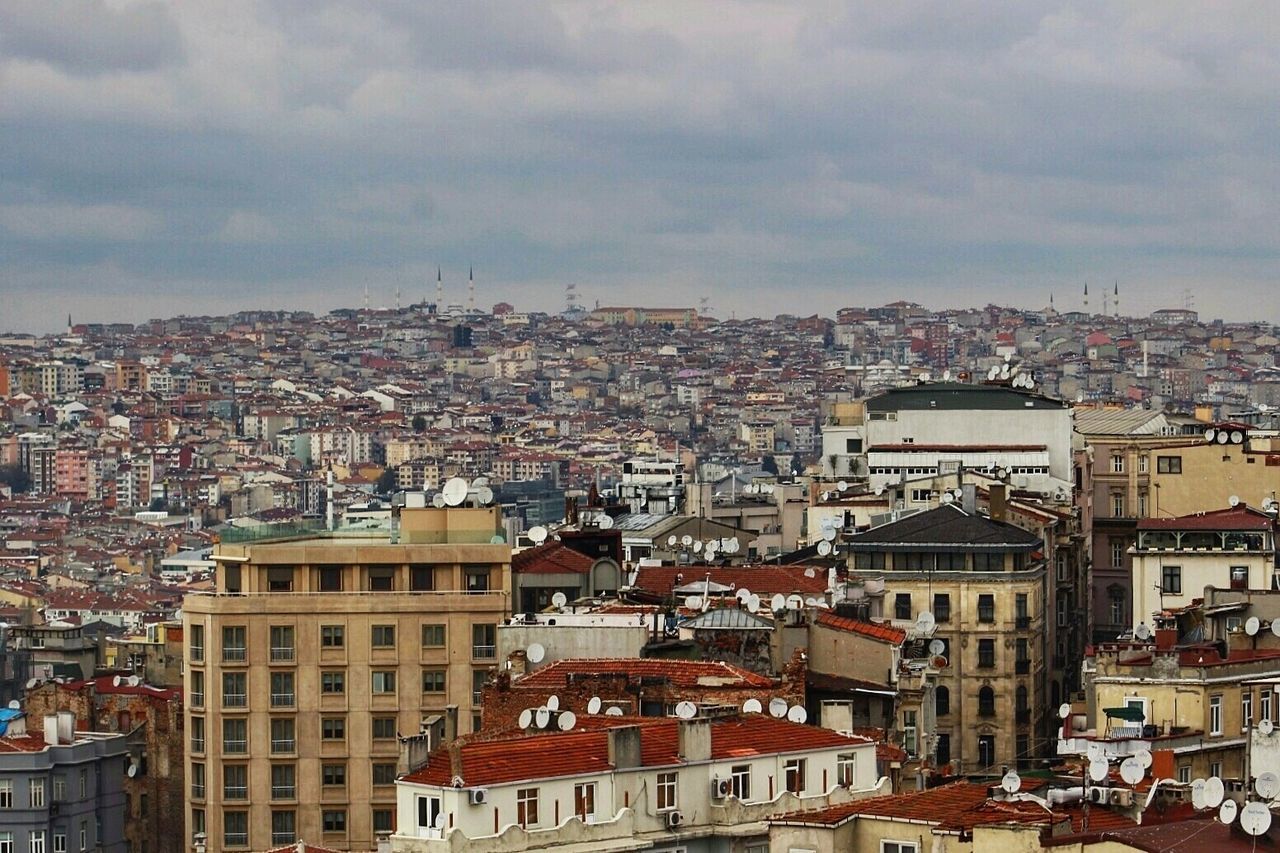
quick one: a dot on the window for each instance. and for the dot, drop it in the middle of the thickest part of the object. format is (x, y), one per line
(331, 578)
(920, 496)
(1215, 768)
(384, 636)
(909, 732)
(477, 579)
(283, 735)
(1246, 710)
(6, 793)
(235, 736)
(1239, 577)
(384, 728)
(197, 781)
(1142, 503)
(282, 695)
(853, 445)
(988, 561)
(333, 820)
(433, 681)
(37, 793)
(1022, 656)
(381, 578)
(1118, 547)
(1171, 580)
(60, 787)
(1115, 596)
(1143, 464)
(84, 783)
(84, 835)
(197, 688)
(986, 701)
(1215, 715)
(986, 608)
(284, 779)
(332, 636)
(584, 801)
(943, 756)
(60, 841)
(383, 681)
(235, 693)
(1264, 705)
(197, 736)
(1168, 464)
(1184, 773)
(282, 643)
(666, 791)
(333, 775)
(942, 607)
(847, 769)
(902, 605)
(484, 642)
(942, 700)
(197, 643)
(422, 578)
(1117, 504)
(235, 829)
(384, 774)
(986, 653)
(899, 847)
(233, 644)
(740, 781)
(793, 773)
(1117, 464)
(280, 579)
(284, 827)
(235, 782)
(428, 814)
(333, 728)
(874, 561)
(333, 681)
(35, 841)
(986, 750)
(527, 807)
(433, 636)
(384, 820)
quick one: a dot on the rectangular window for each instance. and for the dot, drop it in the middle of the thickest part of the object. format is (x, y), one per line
(484, 642)
(1117, 464)
(433, 636)
(1117, 505)
(284, 827)
(384, 636)
(986, 608)
(422, 579)
(584, 801)
(1143, 464)
(332, 636)
(283, 735)
(37, 793)
(1168, 464)
(384, 820)
(333, 775)
(872, 561)
(433, 681)
(197, 735)
(60, 842)
(235, 782)
(6, 842)
(333, 681)
(383, 681)
(846, 769)
(197, 643)
(282, 694)
(899, 847)
(942, 607)
(197, 688)
(333, 821)
(988, 561)
(1215, 768)
(1118, 547)
(60, 787)
(235, 736)
(1264, 705)
(235, 692)
(282, 645)
(384, 728)
(1239, 577)
(740, 780)
(235, 829)
(333, 728)
(1171, 580)
(527, 807)
(902, 605)
(1215, 715)
(331, 578)
(1184, 773)
(986, 653)
(6, 793)
(381, 579)
(1142, 503)
(1246, 710)
(986, 750)
(384, 774)
(909, 732)
(477, 579)
(666, 791)
(35, 841)
(284, 782)
(280, 579)
(197, 781)
(794, 772)
(233, 644)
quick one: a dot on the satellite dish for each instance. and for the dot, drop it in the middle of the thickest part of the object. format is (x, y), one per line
(437, 501)
(879, 490)
(454, 491)
(778, 602)
(1214, 791)
(925, 622)
(1131, 771)
(686, 540)
(553, 702)
(1255, 818)
(567, 720)
(697, 546)
(753, 603)
(14, 705)
(1210, 434)
(778, 707)
(1265, 726)
(946, 376)
(794, 602)
(135, 680)
(672, 540)
(842, 485)
(810, 573)
(742, 594)
(1234, 500)
(1252, 626)
(752, 706)
(732, 546)
(484, 495)
(1142, 632)
(1223, 437)
(1011, 782)
(526, 718)
(115, 682)
(1237, 437)
(604, 522)
(536, 652)
(593, 705)
(559, 599)
(924, 377)
(1098, 768)
(1275, 627)
(1267, 785)
(1008, 357)
(797, 714)
(824, 548)
(537, 534)
(686, 710)
(693, 602)
(438, 823)
(614, 711)
(1064, 710)
(1095, 751)
(1144, 758)
(829, 534)
(937, 647)
(496, 539)
(542, 716)
(1227, 813)
(946, 498)
(1197, 794)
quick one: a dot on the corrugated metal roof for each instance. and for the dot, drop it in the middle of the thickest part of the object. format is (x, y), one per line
(727, 618)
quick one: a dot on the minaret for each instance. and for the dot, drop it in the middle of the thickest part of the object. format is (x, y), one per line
(69, 326)
(1104, 302)
(1115, 301)
(366, 297)
(439, 292)
(471, 290)
(1086, 297)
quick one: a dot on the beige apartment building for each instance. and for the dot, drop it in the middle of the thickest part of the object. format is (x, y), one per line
(315, 652)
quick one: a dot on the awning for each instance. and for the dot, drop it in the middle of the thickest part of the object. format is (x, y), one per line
(1131, 714)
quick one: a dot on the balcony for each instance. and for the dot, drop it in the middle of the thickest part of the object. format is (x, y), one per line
(197, 744)
(234, 654)
(235, 747)
(197, 791)
(235, 792)
(283, 745)
(282, 654)
(284, 792)
(235, 700)
(282, 700)
(197, 654)
(197, 700)
(484, 652)
(281, 838)
(235, 839)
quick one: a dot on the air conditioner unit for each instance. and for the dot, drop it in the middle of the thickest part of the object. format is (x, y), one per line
(1097, 795)
(674, 819)
(720, 788)
(1121, 797)
(478, 796)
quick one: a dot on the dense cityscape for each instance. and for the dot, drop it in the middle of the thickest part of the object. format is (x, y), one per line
(640, 578)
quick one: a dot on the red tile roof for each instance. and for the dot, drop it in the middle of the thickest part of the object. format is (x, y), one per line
(681, 673)
(1240, 517)
(764, 580)
(552, 557)
(874, 630)
(33, 742)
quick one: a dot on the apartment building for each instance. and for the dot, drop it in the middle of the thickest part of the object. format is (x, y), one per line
(984, 582)
(314, 653)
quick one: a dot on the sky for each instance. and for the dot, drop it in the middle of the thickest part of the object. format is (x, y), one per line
(188, 157)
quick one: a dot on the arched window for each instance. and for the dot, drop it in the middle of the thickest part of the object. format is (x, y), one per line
(942, 701)
(986, 702)
(1021, 697)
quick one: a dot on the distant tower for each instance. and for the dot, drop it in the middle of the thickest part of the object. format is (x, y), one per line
(69, 326)
(704, 306)
(397, 299)
(1086, 297)
(1115, 299)
(471, 290)
(1104, 302)
(570, 298)
(439, 291)
(366, 297)
(1053, 312)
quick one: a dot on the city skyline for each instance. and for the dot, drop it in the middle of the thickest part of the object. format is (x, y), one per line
(170, 158)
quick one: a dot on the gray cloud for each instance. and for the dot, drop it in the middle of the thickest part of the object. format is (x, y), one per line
(89, 36)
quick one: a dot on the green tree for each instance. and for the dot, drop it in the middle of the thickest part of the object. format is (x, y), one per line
(387, 481)
(15, 478)
(419, 423)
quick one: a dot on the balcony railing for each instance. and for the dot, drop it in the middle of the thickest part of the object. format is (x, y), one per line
(197, 791)
(281, 654)
(197, 744)
(484, 652)
(235, 839)
(234, 654)
(284, 744)
(197, 700)
(283, 792)
(235, 747)
(282, 700)
(284, 837)
(235, 792)
(235, 700)
(197, 653)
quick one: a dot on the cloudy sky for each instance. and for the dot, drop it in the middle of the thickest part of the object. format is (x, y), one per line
(191, 156)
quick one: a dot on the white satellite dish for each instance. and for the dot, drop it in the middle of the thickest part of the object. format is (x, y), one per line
(937, 647)
(810, 573)
(925, 623)
(753, 603)
(553, 702)
(879, 489)
(542, 716)
(1098, 769)
(1265, 726)
(1131, 771)
(1064, 710)
(924, 377)
(1227, 813)
(526, 718)
(614, 711)
(686, 540)
(778, 707)
(794, 602)
(797, 714)
(535, 653)
(946, 498)
(1275, 627)
(824, 548)
(1252, 625)
(1095, 751)
(1214, 791)
(15, 705)
(693, 602)
(438, 823)
(567, 721)
(1237, 438)
(1011, 782)
(1234, 500)
(842, 485)
(1267, 785)
(1210, 435)
(484, 495)
(437, 501)
(946, 376)
(115, 682)
(732, 546)
(752, 706)
(1142, 632)
(604, 522)
(778, 602)
(829, 534)
(672, 540)
(697, 545)
(686, 710)
(742, 594)
(1223, 436)
(135, 680)
(593, 705)
(1255, 818)
(1144, 758)
(559, 599)
(1197, 794)
(454, 491)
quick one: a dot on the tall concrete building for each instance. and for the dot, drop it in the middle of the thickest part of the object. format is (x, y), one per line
(314, 653)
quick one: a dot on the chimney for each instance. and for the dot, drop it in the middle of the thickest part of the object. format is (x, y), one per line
(384, 842)
(66, 727)
(694, 740)
(450, 723)
(51, 729)
(999, 505)
(624, 747)
(969, 498)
